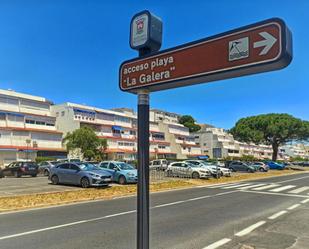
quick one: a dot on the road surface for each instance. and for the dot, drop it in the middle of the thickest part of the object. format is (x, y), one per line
(265, 213)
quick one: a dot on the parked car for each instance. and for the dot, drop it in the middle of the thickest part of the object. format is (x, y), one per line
(241, 166)
(215, 170)
(159, 164)
(275, 165)
(185, 169)
(81, 174)
(122, 172)
(260, 166)
(19, 169)
(44, 167)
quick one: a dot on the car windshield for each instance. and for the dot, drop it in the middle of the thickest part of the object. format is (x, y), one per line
(87, 166)
(124, 166)
(29, 164)
(192, 165)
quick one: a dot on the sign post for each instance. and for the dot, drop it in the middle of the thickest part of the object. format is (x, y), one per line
(256, 48)
(146, 37)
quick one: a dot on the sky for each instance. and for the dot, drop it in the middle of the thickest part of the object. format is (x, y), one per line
(70, 51)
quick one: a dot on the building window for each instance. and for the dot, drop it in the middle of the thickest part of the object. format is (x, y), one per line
(122, 119)
(158, 136)
(28, 121)
(132, 132)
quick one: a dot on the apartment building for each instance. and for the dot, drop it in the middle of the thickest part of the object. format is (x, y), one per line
(117, 126)
(217, 143)
(296, 150)
(27, 128)
(182, 143)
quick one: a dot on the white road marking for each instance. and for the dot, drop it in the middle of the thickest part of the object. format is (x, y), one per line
(266, 187)
(63, 225)
(107, 216)
(252, 186)
(294, 179)
(169, 204)
(273, 193)
(223, 185)
(218, 243)
(198, 198)
(276, 190)
(299, 190)
(293, 207)
(236, 186)
(250, 228)
(276, 215)
(305, 201)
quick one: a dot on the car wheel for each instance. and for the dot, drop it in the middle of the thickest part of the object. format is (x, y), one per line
(46, 173)
(55, 180)
(169, 173)
(262, 170)
(85, 182)
(17, 174)
(250, 171)
(122, 180)
(34, 175)
(195, 175)
(232, 169)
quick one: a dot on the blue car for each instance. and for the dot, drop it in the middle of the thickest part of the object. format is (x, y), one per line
(82, 174)
(275, 165)
(122, 172)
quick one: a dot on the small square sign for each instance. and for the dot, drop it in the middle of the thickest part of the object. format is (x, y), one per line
(239, 49)
(139, 29)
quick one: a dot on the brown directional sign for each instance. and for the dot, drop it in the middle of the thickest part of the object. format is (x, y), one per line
(261, 47)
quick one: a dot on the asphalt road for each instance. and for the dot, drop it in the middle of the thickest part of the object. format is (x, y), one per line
(222, 216)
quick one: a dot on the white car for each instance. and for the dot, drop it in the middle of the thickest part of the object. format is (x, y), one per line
(216, 170)
(159, 164)
(185, 169)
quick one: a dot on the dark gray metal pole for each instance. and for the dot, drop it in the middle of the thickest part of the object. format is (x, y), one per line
(143, 172)
(143, 166)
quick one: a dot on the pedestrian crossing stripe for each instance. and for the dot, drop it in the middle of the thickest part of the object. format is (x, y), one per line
(280, 189)
(271, 187)
(299, 190)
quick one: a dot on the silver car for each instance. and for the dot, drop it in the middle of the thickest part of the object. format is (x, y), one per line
(82, 174)
(215, 169)
(185, 169)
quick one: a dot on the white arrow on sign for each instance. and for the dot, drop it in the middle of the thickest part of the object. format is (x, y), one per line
(268, 42)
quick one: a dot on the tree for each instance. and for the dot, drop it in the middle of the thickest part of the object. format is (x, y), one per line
(87, 142)
(273, 129)
(189, 122)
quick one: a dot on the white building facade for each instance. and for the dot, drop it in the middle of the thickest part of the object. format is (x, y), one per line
(118, 127)
(217, 143)
(182, 143)
(27, 128)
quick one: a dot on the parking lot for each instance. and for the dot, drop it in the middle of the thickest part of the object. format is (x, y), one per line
(11, 186)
